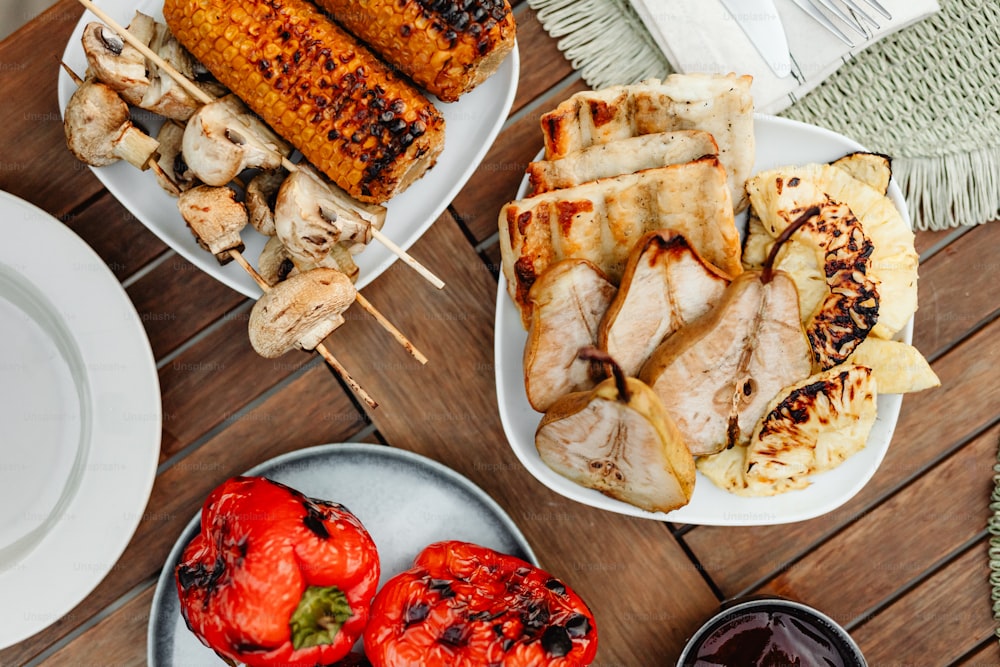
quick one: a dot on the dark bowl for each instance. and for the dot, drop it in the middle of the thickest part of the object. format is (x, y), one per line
(815, 627)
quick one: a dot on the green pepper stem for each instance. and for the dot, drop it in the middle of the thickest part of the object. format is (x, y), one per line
(317, 619)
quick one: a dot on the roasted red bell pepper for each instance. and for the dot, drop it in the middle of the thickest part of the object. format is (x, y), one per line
(463, 605)
(276, 578)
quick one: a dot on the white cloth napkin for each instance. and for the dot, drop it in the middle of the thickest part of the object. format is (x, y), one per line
(702, 36)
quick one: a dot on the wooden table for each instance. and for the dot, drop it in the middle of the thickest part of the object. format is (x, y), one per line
(903, 565)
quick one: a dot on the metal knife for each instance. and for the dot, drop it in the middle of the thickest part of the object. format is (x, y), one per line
(760, 22)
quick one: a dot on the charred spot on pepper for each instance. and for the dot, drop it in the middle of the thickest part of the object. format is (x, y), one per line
(442, 587)
(455, 635)
(201, 577)
(314, 520)
(535, 617)
(578, 625)
(556, 586)
(416, 613)
(556, 641)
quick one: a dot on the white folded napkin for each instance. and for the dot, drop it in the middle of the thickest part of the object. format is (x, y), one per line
(702, 36)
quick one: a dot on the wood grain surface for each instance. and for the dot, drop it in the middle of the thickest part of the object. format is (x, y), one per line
(903, 564)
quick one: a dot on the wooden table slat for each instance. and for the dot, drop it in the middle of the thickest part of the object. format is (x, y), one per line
(937, 622)
(957, 289)
(116, 235)
(34, 162)
(176, 300)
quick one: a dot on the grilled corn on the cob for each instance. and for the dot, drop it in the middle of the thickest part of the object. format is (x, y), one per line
(446, 46)
(365, 127)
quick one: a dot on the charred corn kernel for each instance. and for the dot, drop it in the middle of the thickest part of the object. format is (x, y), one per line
(446, 46)
(356, 120)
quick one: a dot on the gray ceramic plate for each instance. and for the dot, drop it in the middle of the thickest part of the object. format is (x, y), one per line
(406, 502)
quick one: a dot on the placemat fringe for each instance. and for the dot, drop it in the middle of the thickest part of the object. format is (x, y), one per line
(948, 191)
(599, 38)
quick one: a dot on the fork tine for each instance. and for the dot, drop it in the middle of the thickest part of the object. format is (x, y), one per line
(813, 11)
(840, 14)
(862, 13)
(877, 6)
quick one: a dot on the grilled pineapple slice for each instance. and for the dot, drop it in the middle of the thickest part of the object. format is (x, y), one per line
(893, 260)
(873, 169)
(814, 425)
(898, 368)
(728, 471)
(829, 261)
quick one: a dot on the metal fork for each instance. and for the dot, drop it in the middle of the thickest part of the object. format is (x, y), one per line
(814, 8)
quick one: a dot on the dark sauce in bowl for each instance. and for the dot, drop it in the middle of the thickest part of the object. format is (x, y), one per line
(767, 639)
(770, 632)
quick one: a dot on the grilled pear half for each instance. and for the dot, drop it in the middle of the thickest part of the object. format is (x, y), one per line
(666, 285)
(568, 302)
(717, 375)
(619, 440)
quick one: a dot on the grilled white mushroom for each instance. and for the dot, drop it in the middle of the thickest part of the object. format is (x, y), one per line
(223, 138)
(140, 82)
(99, 130)
(275, 263)
(115, 62)
(300, 312)
(173, 175)
(215, 218)
(164, 95)
(312, 215)
(262, 191)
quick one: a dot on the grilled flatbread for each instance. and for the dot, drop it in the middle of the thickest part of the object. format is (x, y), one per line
(619, 157)
(718, 104)
(602, 220)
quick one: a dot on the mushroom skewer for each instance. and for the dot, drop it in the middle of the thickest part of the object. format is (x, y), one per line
(205, 98)
(216, 219)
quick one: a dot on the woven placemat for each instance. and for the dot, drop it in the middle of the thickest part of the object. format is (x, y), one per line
(928, 95)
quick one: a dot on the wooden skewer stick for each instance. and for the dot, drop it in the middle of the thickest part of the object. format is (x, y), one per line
(205, 98)
(325, 353)
(390, 327)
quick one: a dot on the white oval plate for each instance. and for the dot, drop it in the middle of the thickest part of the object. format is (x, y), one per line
(471, 124)
(779, 142)
(405, 501)
(80, 416)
